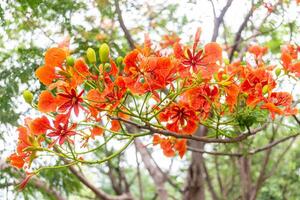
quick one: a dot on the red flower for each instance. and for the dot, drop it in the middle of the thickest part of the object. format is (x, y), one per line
(202, 60)
(180, 118)
(169, 145)
(279, 103)
(150, 73)
(70, 100)
(253, 85)
(201, 98)
(61, 130)
(289, 56)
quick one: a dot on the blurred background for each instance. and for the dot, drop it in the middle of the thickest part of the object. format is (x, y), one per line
(29, 27)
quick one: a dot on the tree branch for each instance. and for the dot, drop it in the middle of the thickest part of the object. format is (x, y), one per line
(122, 24)
(239, 138)
(251, 152)
(36, 182)
(219, 20)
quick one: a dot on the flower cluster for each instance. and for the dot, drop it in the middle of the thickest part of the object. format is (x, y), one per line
(165, 92)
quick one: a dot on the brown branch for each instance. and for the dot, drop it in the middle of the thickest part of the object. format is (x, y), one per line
(239, 138)
(252, 152)
(38, 183)
(238, 35)
(122, 24)
(98, 192)
(219, 20)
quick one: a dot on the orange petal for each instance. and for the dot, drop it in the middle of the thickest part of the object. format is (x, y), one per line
(47, 102)
(45, 74)
(40, 125)
(16, 161)
(55, 57)
(115, 125)
(96, 131)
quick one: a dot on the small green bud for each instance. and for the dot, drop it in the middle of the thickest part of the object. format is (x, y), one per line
(119, 60)
(224, 76)
(70, 61)
(91, 55)
(28, 96)
(278, 71)
(216, 77)
(265, 89)
(104, 53)
(235, 54)
(142, 80)
(107, 67)
(226, 61)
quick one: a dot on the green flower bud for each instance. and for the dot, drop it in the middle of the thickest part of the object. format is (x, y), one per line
(278, 71)
(224, 76)
(104, 53)
(28, 96)
(70, 61)
(91, 55)
(216, 77)
(107, 67)
(119, 60)
(265, 89)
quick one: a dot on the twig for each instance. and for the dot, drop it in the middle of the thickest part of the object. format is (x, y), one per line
(122, 24)
(219, 20)
(252, 152)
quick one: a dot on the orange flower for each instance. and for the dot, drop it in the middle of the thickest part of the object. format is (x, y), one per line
(205, 60)
(253, 85)
(180, 118)
(170, 145)
(289, 56)
(277, 101)
(16, 160)
(201, 98)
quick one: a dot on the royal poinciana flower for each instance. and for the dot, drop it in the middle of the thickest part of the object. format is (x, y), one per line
(170, 145)
(279, 103)
(27, 138)
(180, 118)
(206, 61)
(255, 81)
(70, 100)
(148, 73)
(289, 56)
(184, 87)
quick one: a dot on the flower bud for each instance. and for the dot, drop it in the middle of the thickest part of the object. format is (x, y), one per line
(70, 61)
(265, 89)
(28, 96)
(107, 67)
(224, 76)
(278, 71)
(119, 60)
(104, 53)
(91, 55)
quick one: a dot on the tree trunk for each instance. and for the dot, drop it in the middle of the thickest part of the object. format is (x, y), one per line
(194, 188)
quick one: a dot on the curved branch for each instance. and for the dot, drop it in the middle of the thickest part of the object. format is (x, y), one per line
(251, 152)
(239, 138)
(219, 20)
